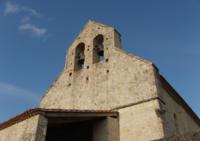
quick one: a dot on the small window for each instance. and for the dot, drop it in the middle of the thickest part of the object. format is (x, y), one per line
(98, 53)
(80, 56)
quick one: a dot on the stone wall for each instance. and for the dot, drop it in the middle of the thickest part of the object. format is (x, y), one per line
(118, 80)
(41, 129)
(106, 130)
(176, 119)
(26, 130)
(141, 122)
(191, 136)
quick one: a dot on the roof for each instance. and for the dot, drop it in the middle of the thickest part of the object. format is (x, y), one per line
(174, 94)
(49, 113)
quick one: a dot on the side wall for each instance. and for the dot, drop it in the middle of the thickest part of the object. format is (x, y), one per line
(141, 122)
(192, 136)
(23, 131)
(106, 130)
(41, 129)
(176, 119)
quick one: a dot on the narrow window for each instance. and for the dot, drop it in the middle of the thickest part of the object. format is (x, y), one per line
(80, 56)
(98, 53)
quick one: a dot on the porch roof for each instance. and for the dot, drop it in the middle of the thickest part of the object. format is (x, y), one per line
(54, 113)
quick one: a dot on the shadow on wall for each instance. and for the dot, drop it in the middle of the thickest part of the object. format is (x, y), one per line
(192, 136)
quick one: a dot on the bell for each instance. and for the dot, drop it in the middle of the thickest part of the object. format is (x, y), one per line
(100, 50)
(81, 59)
(81, 56)
(81, 62)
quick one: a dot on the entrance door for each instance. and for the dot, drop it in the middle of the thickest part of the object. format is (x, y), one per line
(82, 129)
(79, 131)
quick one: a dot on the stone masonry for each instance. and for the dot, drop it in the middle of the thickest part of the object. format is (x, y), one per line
(117, 83)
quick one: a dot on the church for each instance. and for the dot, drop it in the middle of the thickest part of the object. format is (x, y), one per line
(104, 94)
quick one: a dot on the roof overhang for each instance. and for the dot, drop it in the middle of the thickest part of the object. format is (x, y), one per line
(66, 114)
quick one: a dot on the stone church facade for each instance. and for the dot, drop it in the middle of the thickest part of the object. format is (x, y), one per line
(104, 94)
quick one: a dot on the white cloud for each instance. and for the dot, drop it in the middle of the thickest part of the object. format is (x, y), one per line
(9, 89)
(33, 29)
(30, 11)
(25, 19)
(26, 15)
(11, 8)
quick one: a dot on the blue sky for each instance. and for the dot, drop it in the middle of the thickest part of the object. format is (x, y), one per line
(34, 36)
